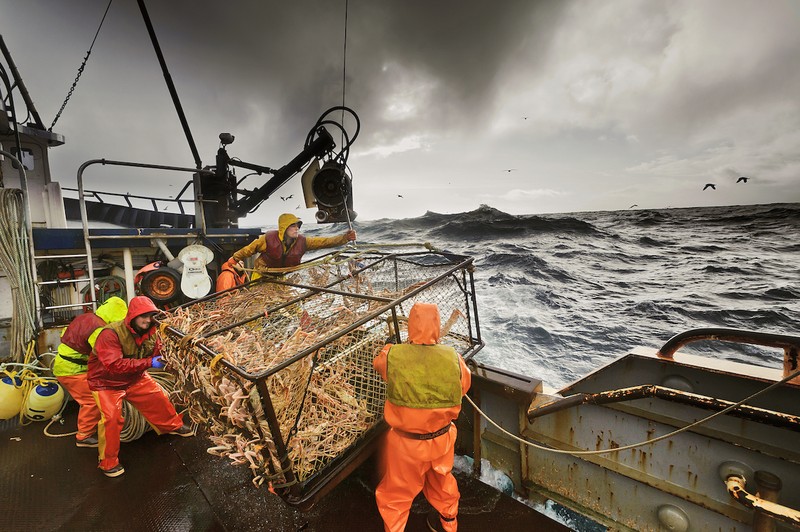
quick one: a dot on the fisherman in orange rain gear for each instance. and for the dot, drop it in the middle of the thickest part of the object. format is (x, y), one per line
(286, 246)
(425, 382)
(124, 350)
(232, 275)
(70, 365)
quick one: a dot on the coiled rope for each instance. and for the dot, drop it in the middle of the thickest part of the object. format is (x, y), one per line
(135, 423)
(15, 260)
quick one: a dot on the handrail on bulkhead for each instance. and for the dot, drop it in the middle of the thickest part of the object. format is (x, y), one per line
(789, 344)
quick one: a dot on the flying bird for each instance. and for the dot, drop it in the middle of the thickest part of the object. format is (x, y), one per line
(710, 185)
(297, 207)
(632, 206)
(742, 179)
(287, 197)
(509, 170)
(399, 195)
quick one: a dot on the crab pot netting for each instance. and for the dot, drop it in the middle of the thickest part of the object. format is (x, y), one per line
(281, 374)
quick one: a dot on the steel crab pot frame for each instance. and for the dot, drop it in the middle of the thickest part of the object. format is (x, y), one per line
(280, 373)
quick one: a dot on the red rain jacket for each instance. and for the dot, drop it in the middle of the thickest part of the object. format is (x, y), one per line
(112, 366)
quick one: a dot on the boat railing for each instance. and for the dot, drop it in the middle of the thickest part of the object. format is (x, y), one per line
(154, 201)
(789, 344)
(83, 194)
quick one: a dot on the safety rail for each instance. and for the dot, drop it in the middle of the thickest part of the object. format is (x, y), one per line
(98, 195)
(87, 237)
(789, 344)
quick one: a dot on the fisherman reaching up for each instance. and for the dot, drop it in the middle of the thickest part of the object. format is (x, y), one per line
(286, 246)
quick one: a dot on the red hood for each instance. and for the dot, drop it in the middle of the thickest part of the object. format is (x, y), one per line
(424, 325)
(139, 305)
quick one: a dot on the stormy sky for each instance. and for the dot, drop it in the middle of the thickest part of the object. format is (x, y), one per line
(529, 107)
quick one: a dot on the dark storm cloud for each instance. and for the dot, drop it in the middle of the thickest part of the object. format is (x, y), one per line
(628, 91)
(292, 53)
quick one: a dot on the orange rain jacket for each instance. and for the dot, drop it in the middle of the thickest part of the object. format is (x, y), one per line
(229, 277)
(411, 464)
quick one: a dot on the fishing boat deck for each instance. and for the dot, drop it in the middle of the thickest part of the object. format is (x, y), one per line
(172, 483)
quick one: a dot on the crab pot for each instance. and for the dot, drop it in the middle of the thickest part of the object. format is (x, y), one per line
(279, 371)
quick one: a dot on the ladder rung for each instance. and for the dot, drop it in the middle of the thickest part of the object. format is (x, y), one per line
(39, 257)
(75, 305)
(64, 281)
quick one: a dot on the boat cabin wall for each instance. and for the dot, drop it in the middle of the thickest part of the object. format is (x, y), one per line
(45, 199)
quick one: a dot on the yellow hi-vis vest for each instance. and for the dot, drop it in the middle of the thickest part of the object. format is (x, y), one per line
(423, 376)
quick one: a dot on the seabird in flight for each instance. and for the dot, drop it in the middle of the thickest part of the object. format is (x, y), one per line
(287, 197)
(742, 179)
(632, 206)
(509, 170)
(710, 185)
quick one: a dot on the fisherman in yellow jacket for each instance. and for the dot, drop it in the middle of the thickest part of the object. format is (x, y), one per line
(286, 246)
(70, 365)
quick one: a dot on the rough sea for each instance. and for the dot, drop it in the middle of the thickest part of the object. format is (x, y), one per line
(561, 294)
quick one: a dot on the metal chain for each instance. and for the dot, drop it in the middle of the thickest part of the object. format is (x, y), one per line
(80, 70)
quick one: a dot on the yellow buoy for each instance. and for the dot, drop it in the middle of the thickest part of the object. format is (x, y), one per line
(10, 397)
(44, 401)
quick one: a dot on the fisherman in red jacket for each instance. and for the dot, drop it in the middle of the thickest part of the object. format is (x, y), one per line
(425, 382)
(70, 365)
(285, 247)
(123, 352)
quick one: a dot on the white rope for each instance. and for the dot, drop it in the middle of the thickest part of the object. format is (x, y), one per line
(135, 424)
(15, 260)
(640, 444)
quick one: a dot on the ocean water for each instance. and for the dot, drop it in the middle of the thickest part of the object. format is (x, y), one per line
(561, 294)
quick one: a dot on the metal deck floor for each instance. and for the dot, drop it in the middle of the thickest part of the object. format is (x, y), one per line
(172, 484)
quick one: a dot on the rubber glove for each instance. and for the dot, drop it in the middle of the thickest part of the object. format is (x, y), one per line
(157, 362)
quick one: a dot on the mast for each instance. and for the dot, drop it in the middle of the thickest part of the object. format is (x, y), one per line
(170, 85)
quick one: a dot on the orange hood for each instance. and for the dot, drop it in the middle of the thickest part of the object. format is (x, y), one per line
(424, 325)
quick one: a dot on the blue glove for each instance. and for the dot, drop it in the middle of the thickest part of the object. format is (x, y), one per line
(157, 362)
